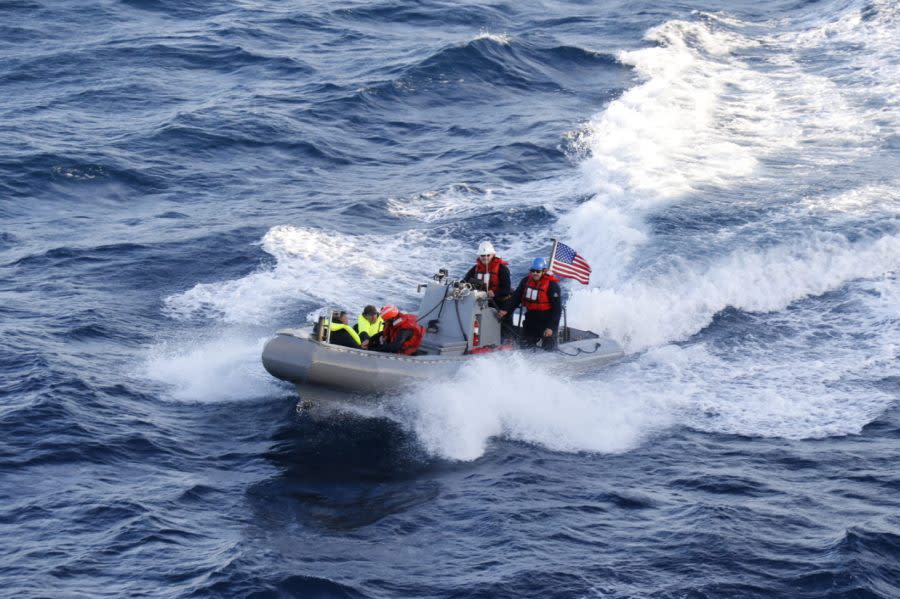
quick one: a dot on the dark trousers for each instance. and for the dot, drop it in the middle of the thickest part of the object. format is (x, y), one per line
(374, 341)
(533, 330)
(507, 328)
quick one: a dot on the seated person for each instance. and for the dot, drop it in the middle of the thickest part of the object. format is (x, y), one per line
(343, 334)
(402, 332)
(368, 325)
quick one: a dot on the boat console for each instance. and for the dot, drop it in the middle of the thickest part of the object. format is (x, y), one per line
(457, 317)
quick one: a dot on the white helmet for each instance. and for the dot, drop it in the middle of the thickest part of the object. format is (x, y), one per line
(485, 247)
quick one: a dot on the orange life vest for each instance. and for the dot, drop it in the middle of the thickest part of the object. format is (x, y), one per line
(405, 321)
(536, 296)
(490, 274)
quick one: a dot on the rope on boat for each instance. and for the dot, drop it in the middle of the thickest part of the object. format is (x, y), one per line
(579, 351)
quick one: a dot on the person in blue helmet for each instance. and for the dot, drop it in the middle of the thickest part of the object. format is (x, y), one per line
(539, 293)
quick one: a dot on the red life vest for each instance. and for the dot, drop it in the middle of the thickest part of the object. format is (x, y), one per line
(536, 296)
(405, 321)
(490, 274)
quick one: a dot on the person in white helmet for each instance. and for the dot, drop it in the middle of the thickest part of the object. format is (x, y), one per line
(493, 271)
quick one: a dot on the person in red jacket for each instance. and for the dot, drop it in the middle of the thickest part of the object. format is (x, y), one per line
(402, 333)
(493, 271)
(540, 294)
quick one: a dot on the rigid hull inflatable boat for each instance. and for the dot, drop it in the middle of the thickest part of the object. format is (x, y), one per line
(461, 326)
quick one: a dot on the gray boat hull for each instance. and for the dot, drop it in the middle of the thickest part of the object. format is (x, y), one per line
(295, 355)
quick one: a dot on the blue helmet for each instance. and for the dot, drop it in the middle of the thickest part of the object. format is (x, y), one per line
(538, 264)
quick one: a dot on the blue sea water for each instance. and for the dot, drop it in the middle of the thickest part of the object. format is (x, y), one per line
(179, 179)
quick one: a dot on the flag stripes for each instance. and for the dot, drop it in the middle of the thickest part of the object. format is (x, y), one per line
(567, 263)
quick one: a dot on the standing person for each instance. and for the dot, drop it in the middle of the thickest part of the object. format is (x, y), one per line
(493, 271)
(402, 332)
(343, 334)
(540, 294)
(369, 323)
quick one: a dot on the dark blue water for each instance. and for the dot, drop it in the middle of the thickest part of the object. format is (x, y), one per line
(180, 179)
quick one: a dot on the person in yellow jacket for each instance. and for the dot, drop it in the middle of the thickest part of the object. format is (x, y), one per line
(369, 324)
(343, 334)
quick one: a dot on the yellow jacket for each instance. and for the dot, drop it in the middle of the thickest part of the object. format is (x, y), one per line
(369, 328)
(336, 326)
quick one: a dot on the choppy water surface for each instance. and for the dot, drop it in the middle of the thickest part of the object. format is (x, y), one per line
(180, 179)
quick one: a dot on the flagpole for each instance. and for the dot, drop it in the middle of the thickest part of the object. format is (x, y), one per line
(552, 254)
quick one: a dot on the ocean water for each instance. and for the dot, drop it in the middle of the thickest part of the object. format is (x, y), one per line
(179, 179)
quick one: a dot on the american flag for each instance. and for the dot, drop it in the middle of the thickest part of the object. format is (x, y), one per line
(567, 263)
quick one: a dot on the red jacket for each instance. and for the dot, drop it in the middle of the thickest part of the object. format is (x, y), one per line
(493, 270)
(404, 322)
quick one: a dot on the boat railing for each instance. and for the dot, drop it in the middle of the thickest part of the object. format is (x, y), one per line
(322, 328)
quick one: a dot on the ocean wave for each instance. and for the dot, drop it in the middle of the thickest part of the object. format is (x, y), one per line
(715, 108)
(180, 180)
(421, 14)
(672, 307)
(30, 173)
(69, 257)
